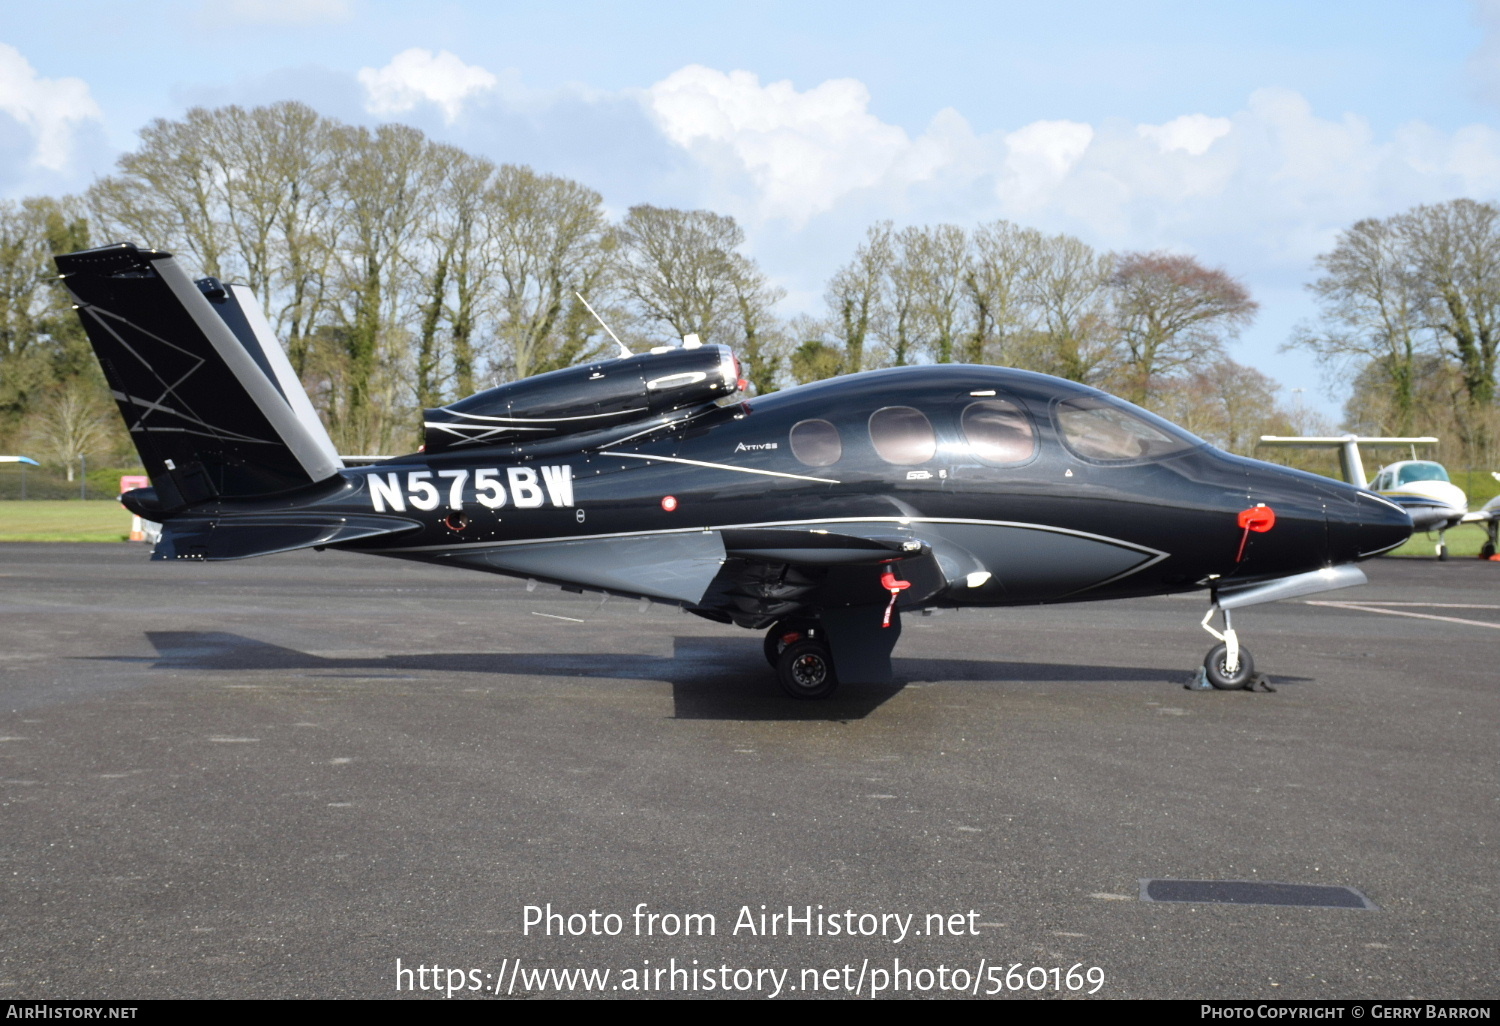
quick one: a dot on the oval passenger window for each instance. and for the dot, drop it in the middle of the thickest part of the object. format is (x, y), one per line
(997, 431)
(816, 443)
(902, 435)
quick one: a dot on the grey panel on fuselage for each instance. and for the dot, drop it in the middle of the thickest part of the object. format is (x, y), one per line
(1028, 564)
(1036, 564)
(674, 567)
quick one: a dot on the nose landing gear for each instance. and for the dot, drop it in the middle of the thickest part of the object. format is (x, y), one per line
(1228, 666)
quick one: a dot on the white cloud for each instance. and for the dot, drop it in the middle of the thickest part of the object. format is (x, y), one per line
(1273, 181)
(51, 109)
(778, 153)
(1039, 158)
(802, 150)
(281, 12)
(1053, 147)
(1192, 133)
(418, 76)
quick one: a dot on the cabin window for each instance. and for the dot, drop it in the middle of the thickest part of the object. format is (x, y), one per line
(902, 435)
(997, 431)
(816, 443)
(1104, 429)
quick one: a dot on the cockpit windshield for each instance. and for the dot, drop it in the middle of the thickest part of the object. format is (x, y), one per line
(1106, 429)
(1421, 471)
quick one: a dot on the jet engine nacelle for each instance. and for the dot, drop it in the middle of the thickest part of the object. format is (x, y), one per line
(588, 398)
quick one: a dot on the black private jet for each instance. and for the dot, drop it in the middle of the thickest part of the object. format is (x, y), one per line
(818, 514)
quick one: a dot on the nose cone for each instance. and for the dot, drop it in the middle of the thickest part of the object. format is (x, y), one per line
(1362, 524)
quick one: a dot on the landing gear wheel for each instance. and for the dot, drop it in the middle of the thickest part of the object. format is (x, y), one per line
(1442, 552)
(1219, 675)
(776, 638)
(1487, 550)
(805, 670)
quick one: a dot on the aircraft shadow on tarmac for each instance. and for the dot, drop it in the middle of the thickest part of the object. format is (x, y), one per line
(711, 678)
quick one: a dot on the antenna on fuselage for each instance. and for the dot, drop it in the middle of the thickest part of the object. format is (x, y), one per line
(623, 351)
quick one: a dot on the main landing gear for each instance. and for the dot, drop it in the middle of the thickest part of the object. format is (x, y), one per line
(1228, 666)
(798, 651)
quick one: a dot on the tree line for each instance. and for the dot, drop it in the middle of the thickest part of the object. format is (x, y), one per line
(401, 272)
(1409, 309)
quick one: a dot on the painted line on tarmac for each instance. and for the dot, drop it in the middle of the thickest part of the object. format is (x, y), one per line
(1364, 608)
(1423, 605)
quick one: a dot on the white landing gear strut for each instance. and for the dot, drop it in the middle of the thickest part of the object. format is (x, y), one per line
(1227, 667)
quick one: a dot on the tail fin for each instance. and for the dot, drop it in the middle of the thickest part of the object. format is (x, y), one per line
(212, 404)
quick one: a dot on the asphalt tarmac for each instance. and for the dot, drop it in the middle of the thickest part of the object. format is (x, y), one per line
(278, 777)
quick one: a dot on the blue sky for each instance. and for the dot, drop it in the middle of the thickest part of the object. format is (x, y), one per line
(1247, 134)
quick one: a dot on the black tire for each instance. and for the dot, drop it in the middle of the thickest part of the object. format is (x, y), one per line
(1220, 677)
(805, 670)
(1442, 553)
(772, 645)
(1487, 550)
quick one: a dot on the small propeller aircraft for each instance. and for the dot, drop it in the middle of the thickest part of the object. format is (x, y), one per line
(1421, 487)
(818, 514)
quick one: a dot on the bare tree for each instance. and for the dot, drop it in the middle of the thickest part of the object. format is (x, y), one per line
(682, 271)
(856, 294)
(1398, 292)
(760, 340)
(1230, 405)
(172, 191)
(677, 268)
(933, 265)
(1371, 314)
(901, 326)
(388, 183)
(997, 291)
(245, 195)
(548, 240)
(292, 149)
(1067, 285)
(445, 252)
(73, 421)
(1455, 250)
(1171, 313)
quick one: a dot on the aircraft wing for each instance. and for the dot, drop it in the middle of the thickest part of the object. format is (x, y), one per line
(814, 547)
(772, 574)
(1433, 518)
